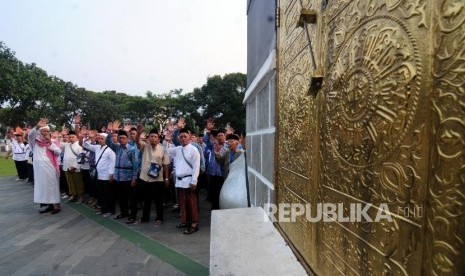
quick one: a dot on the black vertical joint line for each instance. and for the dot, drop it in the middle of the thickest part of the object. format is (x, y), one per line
(247, 180)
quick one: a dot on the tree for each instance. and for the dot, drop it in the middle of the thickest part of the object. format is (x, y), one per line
(139, 109)
(8, 70)
(27, 93)
(33, 94)
(221, 98)
(100, 108)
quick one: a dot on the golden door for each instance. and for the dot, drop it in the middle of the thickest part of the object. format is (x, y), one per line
(371, 108)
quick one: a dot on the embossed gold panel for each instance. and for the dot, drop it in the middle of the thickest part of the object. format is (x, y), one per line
(387, 127)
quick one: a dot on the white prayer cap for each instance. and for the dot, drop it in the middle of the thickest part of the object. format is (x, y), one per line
(45, 127)
(103, 134)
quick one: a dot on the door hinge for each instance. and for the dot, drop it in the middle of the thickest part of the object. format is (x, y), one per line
(277, 16)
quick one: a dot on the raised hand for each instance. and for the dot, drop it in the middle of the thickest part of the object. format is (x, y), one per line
(210, 124)
(181, 123)
(64, 130)
(229, 129)
(116, 124)
(170, 126)
(127, 128)
(140, 128)
(11, 133)
(42, 122)
(77, 119)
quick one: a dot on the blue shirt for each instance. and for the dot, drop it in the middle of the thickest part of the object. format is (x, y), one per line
(127, 165)
(132, 143)
(213, 167)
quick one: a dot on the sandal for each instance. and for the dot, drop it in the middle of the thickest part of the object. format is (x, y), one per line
(130, 220)
(191, 230)
(158, 222)
(55, 211)
(46, 210)
(182, 225)
(120, 216)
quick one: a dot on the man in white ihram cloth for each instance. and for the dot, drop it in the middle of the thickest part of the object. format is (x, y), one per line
(46, 170)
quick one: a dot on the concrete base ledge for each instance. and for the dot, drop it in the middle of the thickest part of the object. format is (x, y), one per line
(244, 242)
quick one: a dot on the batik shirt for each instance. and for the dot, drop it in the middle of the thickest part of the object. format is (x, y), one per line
(126, 166)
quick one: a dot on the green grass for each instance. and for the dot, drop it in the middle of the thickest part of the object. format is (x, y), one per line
(7, 167)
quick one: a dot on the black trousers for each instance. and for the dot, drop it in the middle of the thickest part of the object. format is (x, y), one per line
(21, 169)
(152, 191)
(127, 197)
(106, 196)
(30, 172)
(63, 183)
(216, 183)
(89, 185)
(170, 192)
(202, 182)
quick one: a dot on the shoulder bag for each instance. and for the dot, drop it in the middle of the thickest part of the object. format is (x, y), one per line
(93, 170)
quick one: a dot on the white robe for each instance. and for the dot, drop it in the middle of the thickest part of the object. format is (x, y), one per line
(46, 178)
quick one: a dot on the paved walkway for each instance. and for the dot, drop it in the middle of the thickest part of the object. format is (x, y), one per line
(78, 242)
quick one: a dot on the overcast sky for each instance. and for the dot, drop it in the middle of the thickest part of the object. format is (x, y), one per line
(130, 46)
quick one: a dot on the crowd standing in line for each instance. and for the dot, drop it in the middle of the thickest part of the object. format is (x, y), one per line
(125, 165)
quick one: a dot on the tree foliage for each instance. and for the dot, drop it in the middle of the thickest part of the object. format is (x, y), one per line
(28, 93)
(221, 99)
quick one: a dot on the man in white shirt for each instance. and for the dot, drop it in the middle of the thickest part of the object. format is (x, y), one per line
(187, 166)
(71, 167)
(19, 149)
(105, 159)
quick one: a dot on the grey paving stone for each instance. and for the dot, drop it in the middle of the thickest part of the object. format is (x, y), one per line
(71, 244)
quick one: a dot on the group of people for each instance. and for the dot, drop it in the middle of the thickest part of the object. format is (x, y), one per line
(128, 166)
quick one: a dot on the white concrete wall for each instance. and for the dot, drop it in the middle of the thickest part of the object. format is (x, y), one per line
(260, 128)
